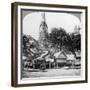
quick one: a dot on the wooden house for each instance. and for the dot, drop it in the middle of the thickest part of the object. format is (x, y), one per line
(61, 58)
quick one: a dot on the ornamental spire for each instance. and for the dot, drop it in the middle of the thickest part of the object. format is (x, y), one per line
(43, 16)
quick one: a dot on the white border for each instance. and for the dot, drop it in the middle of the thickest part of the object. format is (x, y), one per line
(57, 79)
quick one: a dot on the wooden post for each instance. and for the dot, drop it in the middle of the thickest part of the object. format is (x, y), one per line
(33, 65)
(57, 65)
(49, 65)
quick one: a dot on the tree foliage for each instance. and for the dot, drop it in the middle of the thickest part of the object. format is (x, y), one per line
(63, 40)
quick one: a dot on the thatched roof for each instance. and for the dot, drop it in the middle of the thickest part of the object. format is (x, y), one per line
(60, 55)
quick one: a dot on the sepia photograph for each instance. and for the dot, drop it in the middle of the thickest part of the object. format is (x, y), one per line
(51, 44)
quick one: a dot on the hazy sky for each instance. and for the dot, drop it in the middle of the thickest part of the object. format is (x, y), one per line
(32, 21)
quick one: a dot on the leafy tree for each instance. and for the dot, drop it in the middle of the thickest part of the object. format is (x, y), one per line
(62, 40)
(76, 41)
(58, 37)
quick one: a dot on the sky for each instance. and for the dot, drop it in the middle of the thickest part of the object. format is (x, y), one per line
(32, 21)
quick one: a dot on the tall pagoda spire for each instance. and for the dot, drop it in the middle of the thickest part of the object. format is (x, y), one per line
(43, 33)
(43, 20)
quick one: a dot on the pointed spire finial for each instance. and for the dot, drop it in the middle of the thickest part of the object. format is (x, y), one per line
(43, 16)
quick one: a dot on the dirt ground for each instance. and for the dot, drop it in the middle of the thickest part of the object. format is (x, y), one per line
(51, 73)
